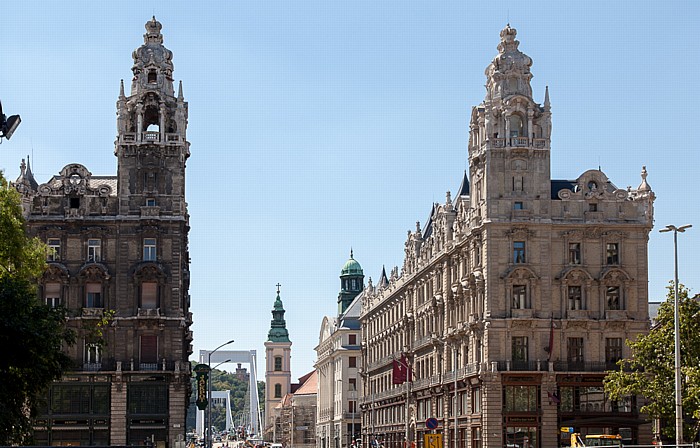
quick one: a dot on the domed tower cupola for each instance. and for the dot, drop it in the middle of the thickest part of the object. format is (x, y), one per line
(509, 73)
(351, 283)
(153, 63)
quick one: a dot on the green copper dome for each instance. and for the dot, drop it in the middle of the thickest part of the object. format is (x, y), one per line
(278, 327)
(352, 267)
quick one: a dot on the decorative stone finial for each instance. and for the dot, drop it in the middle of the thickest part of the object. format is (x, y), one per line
(546, 98)
(153, 28)
(121, 89)
(644, 186)
(448, 197)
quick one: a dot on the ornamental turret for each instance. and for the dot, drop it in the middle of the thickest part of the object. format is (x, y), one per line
(278, 327)
(351, 283)
(151, 144)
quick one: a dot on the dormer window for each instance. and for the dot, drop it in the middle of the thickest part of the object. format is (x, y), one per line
(152, 76)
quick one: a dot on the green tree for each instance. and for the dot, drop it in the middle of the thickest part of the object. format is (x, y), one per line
(650, 371)
(32, 335)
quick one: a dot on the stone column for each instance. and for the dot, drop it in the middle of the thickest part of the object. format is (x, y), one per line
(117, 424)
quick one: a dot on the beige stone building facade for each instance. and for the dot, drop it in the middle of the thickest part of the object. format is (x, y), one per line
(338, 364)
(118, 248)
(515, 296)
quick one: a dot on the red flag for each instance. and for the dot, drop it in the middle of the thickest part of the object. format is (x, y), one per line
(398, 374)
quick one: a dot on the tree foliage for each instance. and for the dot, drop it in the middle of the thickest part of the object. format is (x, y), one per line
(32, 335)
(652, 373)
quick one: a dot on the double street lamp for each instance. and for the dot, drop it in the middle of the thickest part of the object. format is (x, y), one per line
(208, 419)
(676, 331)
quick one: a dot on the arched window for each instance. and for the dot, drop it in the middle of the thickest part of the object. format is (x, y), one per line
(278, 391)
(516, 126)
(152, 76)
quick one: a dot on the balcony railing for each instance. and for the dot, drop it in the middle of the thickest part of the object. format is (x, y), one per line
(518, 141)
(522, 366)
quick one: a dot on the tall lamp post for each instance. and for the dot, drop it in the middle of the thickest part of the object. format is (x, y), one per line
(676, 331)
(208, 419)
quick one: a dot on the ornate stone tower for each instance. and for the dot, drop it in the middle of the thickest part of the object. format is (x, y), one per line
(509, 144)
(151, 144)
(351, 283)
(119, 249)
(278, 369)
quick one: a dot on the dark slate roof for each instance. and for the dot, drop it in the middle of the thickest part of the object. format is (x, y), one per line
(464, 188)
(428, 228)
(558, 184)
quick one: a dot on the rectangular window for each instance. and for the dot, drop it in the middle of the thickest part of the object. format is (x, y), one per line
(612, 298)
(476, 438)
(592, 207)
(147, 399)
(149, 249)
(520, 355)
(149, 295)
(575, 301)
(94, 250)
(149, 349)
(574, 253)
(574, 353)
(520, 398)
(93, 295)
(54, 249)
(519, 297)
(278, 391)
(352, 361)
(91, 354)
(476, 400)
(352, 384)
(52, 294)
(150, 202)
(613, 351)
(352, 406)
(278, 364)
(518, 206)
(518, 252)
(352, 339)
(612, 255)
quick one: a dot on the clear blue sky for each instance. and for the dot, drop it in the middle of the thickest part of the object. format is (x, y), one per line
(321, 126)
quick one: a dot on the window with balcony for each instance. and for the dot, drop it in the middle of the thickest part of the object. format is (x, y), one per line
(149, 295)
(612, 254)
(612, 298)
(520, 352)
(613, 351)
(93, 295)
(278, 364)
(54, 249)
(149, 350)
(574, 253)
(519, 252)
(91, 354)
(575, 298)
(94, 250)
(519, 297)
(149, 249)
(52, 294)
(574, 353)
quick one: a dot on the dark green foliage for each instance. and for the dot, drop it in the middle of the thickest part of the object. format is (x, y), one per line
(32, 335)
(652, 363)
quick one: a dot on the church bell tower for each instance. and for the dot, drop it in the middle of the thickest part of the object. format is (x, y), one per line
(151, 145)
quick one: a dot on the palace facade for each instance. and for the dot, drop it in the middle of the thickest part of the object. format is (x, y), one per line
(515, 296)
(118, 261)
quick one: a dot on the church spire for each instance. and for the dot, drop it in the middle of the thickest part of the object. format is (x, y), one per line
(278, 327)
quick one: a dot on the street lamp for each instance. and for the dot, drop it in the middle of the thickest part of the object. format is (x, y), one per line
(676, 331)
(208, 419)
(8, 124)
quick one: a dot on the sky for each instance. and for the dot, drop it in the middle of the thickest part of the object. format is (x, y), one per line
(321, 126)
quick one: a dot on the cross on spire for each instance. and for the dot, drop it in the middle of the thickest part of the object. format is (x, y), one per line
(278, 287)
